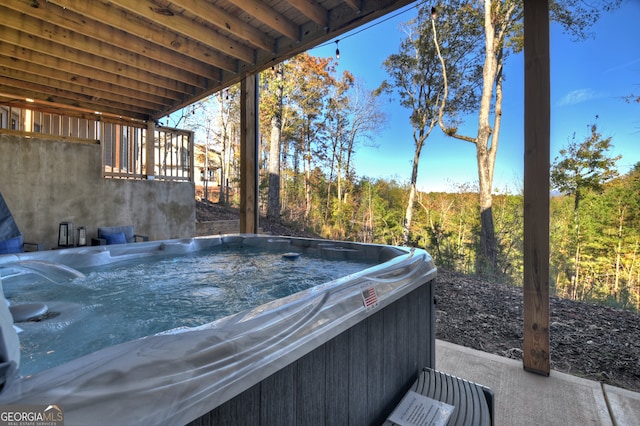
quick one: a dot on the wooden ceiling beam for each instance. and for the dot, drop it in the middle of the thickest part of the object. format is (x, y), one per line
(159, 54)
(47, 77)
(117, 18)
(89, 50)
(74, 57)
(87, 101)
(271, 18)
(7, 86)
(342, 19)
(53, 15)
(229, 23)
(188, 28)
(354, 4)
(311, 10)
(66, 112)
(74, 72)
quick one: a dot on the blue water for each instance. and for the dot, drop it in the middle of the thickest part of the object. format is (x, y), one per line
(115, 304)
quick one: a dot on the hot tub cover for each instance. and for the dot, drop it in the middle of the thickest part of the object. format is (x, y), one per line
(175, 377)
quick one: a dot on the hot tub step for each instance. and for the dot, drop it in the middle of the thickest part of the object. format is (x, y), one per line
(472, 403)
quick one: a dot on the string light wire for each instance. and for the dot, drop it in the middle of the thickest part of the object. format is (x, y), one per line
(371, 26)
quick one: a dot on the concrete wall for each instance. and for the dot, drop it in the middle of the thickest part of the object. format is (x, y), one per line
(45, 182)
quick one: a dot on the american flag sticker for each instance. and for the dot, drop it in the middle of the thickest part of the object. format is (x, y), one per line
(370, 298)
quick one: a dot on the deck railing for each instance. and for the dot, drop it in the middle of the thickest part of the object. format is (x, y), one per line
(125, 154)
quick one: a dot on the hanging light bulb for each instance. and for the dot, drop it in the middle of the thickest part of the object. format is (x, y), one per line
(337, 50)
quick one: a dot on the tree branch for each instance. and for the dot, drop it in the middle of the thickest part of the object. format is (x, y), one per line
(447, 130)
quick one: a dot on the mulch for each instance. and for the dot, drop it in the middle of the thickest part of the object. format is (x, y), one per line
(586, 340)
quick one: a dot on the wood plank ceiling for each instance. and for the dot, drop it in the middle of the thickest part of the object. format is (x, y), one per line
(143, 59)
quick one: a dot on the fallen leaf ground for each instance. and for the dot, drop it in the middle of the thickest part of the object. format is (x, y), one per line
(587, 340)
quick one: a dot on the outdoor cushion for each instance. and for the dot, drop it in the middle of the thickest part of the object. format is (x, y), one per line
(12, 245)
(10, 235)
(127, 230)
(115, 238)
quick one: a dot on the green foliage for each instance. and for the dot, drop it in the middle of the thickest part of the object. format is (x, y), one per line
(608, 243)
(577, 16)
(590, 238)
(446, 225)
(584, 166)
(560, 233)
(385, 208)
(509, 223)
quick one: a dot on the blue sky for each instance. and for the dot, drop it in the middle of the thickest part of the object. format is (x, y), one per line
(588, 78)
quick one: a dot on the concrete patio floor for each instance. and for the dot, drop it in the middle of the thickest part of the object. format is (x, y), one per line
(523, 398)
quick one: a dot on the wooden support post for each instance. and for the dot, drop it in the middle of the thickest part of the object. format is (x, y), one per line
(537, 113)
(150, 160)
(249, 155)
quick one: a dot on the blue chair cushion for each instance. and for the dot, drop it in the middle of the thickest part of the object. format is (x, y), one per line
(12, 245)
(115, 238)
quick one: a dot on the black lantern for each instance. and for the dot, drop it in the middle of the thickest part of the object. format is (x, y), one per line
(65, 234)
(82, 236)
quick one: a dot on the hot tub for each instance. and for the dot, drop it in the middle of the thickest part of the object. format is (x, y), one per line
(342, 352)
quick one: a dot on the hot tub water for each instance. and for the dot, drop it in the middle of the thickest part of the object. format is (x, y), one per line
(122, 302)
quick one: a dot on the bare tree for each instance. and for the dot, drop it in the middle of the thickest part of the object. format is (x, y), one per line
(276, 108)
(417, 80)
(353, 116)
(417, 76)
(501, 22)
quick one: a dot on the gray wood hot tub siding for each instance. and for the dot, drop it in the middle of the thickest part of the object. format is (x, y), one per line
(356, 378)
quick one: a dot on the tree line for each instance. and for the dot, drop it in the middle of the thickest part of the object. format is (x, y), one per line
(594, 217)
(313, 121)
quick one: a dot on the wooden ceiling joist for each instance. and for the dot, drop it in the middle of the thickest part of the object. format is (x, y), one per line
(188, 27)
(88, 91)
(92, 65)
(34, 62)
(312, 10)
(73, 23)
(20, 95)
(147, 31)
(48, 38)
(147, 58)
(354, 4)
(270, 17)
(229, 23)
